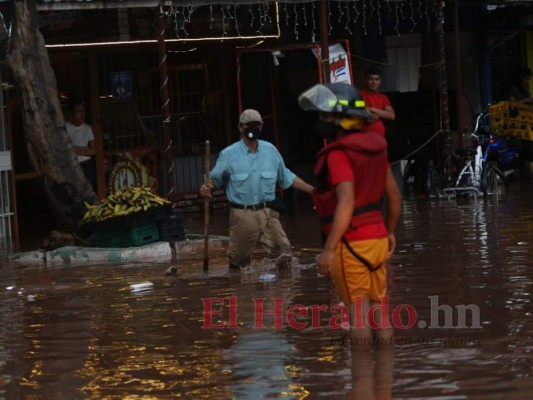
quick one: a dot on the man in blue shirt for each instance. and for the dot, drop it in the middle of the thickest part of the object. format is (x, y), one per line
(251, 169)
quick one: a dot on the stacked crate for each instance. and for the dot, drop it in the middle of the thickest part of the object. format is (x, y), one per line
(512, 119)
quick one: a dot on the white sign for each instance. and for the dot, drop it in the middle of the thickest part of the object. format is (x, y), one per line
(339, 65)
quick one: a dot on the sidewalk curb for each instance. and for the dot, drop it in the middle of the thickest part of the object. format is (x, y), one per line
(155, 252)
(193, 248)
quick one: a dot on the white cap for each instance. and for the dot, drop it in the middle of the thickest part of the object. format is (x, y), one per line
(250, 115)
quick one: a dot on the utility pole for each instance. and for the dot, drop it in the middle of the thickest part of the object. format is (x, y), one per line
(445, 112)
(166, 149)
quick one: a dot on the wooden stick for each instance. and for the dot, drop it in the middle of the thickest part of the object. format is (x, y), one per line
(206, 207)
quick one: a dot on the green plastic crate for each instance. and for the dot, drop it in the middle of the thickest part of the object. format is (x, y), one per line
(171, 229)
(125, 236)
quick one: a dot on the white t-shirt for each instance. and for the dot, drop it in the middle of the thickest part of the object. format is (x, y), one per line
(80, 136)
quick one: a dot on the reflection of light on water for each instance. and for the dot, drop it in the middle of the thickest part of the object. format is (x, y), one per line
(149, 371)
(257, 363)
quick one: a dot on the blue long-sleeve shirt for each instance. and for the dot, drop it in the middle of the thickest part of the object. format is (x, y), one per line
(251, 178)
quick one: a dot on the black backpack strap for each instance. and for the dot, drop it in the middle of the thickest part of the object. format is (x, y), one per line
(328, 219)
(360, 258)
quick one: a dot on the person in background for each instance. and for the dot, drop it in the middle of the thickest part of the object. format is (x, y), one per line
(519, 89)
(377, 104)
(251, 169)
(353, 174)
(82, 138)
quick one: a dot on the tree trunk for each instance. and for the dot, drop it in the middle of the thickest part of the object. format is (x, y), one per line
(49, 148)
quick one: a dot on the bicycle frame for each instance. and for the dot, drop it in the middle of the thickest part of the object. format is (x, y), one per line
(469, 179)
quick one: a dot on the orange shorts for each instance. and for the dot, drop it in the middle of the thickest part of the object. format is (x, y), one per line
(353, 278)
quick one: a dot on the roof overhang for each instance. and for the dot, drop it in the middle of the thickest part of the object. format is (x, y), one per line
(55, 5)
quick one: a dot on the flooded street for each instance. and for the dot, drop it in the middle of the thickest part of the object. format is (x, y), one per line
(463, 270)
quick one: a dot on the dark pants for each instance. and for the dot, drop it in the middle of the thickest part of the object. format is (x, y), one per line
(89, 168)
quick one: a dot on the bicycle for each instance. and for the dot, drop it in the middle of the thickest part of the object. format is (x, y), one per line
(469, 179)
(438, 177)
(476, 177)
(414, 172)
(493, 181)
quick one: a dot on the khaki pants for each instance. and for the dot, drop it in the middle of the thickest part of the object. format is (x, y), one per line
(247, 228)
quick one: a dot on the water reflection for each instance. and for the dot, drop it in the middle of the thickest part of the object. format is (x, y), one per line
(76, 333)
(257, 365)
(372, 372)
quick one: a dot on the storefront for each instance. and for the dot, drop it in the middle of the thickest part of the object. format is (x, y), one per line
(221, 57)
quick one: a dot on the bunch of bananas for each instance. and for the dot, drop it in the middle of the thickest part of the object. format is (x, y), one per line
(122, 202)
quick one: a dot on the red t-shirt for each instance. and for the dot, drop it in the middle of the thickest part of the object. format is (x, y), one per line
(340, 170)
(379, 101)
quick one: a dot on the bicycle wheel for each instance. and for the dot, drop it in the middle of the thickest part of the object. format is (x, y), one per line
(493, 181)
(434, 182)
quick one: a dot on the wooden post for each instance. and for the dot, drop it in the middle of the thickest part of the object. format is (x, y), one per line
(324, 39)
(168, 160)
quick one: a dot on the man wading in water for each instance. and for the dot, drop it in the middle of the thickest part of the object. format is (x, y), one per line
(250, 170)
(353, 175)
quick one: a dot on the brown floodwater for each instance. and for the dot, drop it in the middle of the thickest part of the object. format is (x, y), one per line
(462, 275)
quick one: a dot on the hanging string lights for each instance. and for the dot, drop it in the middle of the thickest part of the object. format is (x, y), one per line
(346, 17)
(208, 20)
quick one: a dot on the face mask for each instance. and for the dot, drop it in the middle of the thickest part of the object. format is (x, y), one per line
(327, 129)
(252, 133)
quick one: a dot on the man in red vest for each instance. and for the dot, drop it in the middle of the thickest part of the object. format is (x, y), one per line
(353, 174)
(377, 104)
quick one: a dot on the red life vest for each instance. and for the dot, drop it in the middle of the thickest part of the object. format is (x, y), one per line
(368, 156)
